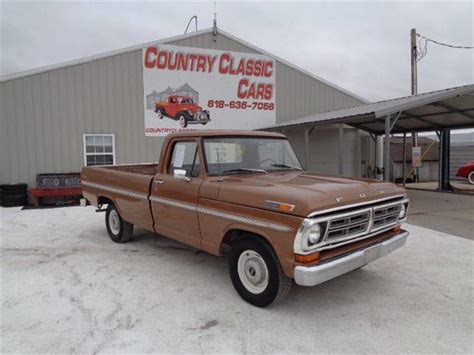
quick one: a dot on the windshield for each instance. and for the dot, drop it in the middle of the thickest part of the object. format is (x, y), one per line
(232, 155)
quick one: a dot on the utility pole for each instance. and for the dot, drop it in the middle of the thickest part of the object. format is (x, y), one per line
(414, 88)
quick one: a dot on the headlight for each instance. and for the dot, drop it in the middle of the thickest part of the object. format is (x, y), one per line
(314, 234)
(191, 113)
(403, 211)
(309, 234)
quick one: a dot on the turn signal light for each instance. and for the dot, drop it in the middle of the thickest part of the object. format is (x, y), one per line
(285, 207)
(306, 259)
(279, 206)
(397, 229)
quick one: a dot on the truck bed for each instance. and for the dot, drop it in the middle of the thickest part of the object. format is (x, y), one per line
(145, 169)
(127, 185)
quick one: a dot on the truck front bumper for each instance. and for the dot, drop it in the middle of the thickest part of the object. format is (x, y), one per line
(315, 275)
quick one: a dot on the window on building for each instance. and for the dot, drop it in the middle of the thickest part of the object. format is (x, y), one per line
(99, 149)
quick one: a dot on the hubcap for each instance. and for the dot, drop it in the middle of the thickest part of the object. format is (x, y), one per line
(114, 222)
(470, 177)
(253, 271)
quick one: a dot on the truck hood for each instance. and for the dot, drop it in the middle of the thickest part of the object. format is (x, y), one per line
(307, 192)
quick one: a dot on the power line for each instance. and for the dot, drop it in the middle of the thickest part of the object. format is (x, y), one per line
(422, 47)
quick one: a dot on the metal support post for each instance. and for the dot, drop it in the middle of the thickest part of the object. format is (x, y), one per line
(386, 153)
(404, 158)
(306, 148)
(375, 156)
(341, 149)
(444, 183)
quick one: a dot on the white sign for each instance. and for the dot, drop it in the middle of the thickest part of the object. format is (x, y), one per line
(194, 88)
(416, 157)
(179, 156)
(222, 152)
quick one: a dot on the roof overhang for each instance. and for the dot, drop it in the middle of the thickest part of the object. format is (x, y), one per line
(450, 108)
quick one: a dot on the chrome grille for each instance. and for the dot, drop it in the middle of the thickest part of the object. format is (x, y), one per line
(384, 216)
(348, 226)
(356, 223)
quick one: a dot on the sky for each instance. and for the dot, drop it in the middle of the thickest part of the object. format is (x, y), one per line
(363, 47)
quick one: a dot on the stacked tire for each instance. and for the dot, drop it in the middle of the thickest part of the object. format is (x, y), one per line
(13, 195)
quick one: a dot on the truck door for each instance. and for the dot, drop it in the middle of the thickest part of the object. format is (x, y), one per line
(175, 192)
(172, 107)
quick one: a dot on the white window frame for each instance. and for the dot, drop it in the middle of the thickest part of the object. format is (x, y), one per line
(101, 135)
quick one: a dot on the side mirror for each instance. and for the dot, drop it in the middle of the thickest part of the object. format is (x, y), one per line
(180, 174)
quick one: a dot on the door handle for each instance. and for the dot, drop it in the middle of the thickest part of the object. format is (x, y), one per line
(158, 181)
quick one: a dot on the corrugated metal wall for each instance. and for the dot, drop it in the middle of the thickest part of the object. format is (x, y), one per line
(47, 114)
(324, 149)
(44, 116)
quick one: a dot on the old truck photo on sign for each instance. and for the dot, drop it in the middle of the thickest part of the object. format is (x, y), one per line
(178, 94)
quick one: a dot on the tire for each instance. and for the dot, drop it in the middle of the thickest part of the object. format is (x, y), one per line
(14, 189)
(256, 273)
(183, 119)
(470, 177)
(14, 200)
(160, 113)
(119, 230)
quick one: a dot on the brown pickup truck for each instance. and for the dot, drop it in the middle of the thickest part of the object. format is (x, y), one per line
(244, 193)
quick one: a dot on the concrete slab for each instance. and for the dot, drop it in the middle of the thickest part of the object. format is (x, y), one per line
(67, 288)
(445, 212)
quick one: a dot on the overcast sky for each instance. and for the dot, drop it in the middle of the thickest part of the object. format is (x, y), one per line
(363, 47)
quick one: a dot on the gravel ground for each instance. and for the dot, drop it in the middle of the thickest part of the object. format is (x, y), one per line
(67, 288)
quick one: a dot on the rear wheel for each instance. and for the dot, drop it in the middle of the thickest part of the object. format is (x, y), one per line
(160, 113)
(256, 273)
(470, 177)
(119, 230)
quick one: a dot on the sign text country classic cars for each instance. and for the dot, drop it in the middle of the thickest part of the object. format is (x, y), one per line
(194, 88)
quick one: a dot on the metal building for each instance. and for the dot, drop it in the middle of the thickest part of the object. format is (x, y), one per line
(47, 113)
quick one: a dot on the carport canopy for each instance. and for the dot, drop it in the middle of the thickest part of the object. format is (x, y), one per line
(438, 111)
(450, 108)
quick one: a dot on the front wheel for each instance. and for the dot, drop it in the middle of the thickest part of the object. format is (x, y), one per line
(470, 177)
(256, 273)
(183, 120)
(119, 230)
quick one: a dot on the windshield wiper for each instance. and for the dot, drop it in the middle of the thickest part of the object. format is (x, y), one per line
(286, 166)
(244, 170)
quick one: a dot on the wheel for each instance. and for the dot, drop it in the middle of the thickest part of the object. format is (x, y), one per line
(470, 177)
(256, 272)
(14, 200)
(14, 189)
(160, 113)
(119, 230)
(183, 119)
